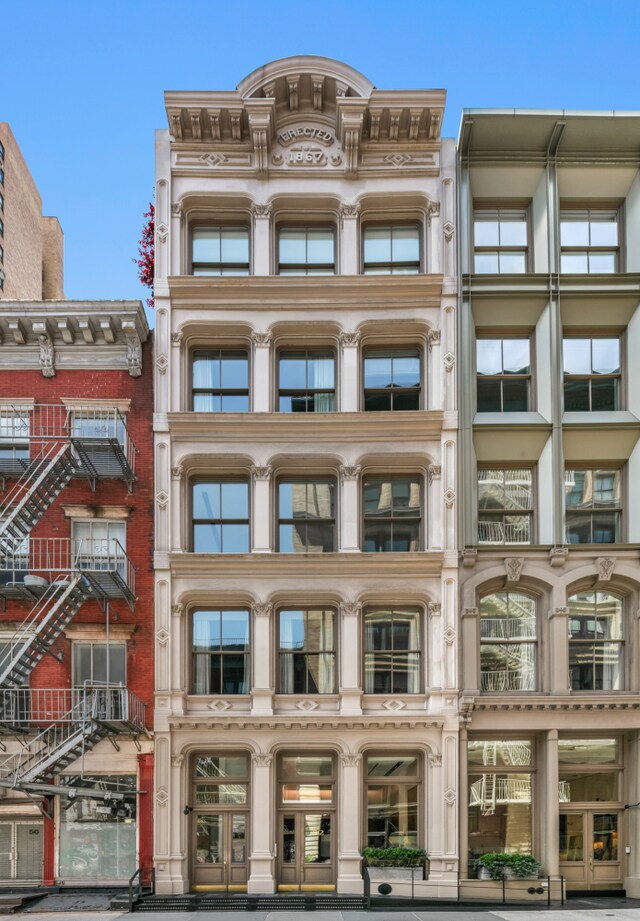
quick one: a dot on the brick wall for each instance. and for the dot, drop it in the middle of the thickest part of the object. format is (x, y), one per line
(22, 241)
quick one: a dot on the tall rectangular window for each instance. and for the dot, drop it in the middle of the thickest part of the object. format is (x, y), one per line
(15, 427)
(220, 652)
(221, 517)
(591, 374)
(220, 381)
(596, 642)
(392, 657)
(500, 242)
(589, 242)
(307, 651)
(505, 506)
(393, 799)
(306, 382)
(504, 375)
(393, 249)
(99, 663)
(220, 251)
(392, 514)
(100, 544)
(592, 506)
(508, 642)
(306, 251)
(391, 380)
(306, 516)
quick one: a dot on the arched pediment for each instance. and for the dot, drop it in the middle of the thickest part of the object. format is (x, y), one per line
(314, 79)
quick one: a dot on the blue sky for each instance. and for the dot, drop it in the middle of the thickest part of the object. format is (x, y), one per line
(82, 83)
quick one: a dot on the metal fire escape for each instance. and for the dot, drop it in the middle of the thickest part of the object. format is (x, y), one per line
(49, 445)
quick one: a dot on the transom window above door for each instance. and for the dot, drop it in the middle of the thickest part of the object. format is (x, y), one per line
(220, 381)
(220, 251)
(306, 251)
(392, 249)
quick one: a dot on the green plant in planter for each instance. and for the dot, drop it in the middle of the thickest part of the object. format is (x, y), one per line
(394, 856)
(521, 865)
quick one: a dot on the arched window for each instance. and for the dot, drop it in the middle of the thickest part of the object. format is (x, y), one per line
(508, 642)
(596, 642)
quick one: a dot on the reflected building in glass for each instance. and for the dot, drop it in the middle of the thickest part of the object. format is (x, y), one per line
(305, 437)
(549, 399)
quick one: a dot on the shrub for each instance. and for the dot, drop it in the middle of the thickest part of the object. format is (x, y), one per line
(394, 856)
(521, 865)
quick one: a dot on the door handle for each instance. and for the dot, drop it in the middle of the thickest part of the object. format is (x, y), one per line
(275, 849)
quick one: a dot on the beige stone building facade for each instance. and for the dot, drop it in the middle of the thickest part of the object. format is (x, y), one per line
(31, 245)
(305, 454)
(550, 474)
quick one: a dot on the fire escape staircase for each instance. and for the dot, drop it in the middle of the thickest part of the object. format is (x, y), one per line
(58, 575)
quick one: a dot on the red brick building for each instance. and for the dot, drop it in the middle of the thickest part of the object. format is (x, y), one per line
(76, 598)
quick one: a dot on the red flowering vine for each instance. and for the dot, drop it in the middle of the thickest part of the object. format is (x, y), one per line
(146, 252)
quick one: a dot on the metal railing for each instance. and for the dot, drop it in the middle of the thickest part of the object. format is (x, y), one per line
(503, 532)
(46, 423)
(53, 558)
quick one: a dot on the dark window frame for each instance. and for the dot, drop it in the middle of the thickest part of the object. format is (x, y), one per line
(307, 520)
(220, 521)
(220, 392)
(392, 652)
(309, 393)
(598, 644)
(391, 353)
(220, 227)
(220, 653)
(392, 519)
(306, 652)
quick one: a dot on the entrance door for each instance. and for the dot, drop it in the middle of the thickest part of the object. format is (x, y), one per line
(21, 852)
(220, 851)
(306, 850)
(591, 849)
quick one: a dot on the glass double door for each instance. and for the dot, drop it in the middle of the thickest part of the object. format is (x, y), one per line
(306, 851)
(591, 849)
(220, 851)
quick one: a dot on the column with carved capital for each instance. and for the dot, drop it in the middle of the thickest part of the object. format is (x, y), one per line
(263, 833)
(177, 483)
(349, 252)
(558, 655)
(434, 507)
(435, 370)
(261, 378)
(349, 383)
(350, 508)
(261, 687)
(470, 645)
(175, 370)
(261, 236)
(350, 821)
(551, 816)
(350, 633)
(178, 687)
(434, 254)
(261, 512)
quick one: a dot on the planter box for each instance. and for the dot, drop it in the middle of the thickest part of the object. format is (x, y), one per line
(387, 874)
(483, 873)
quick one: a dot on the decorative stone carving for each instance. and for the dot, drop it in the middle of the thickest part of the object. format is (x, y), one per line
(434, 125)
(394, 705)
(261, 339)
(177, 473)
(470, 612)
(176, 209)
(434, 608)
(605, 566)
(348, 340)
(219, 706)
(374, 124)
(448, 231)
(162, 636)
(177, 610)
(177, 760)
(449, 498)
(262, 760)
(435, 759)
(163, 232)
(262, 609)
(433, 338)
(213, 159)
(449, 361)
(235, 117)
(47, 355)
(450, 796)
(134, 353)
(261, 210)
(394, 125)
(162, 363)
(176, 338)
(561, 612)
(414, 123)
(449, 636)
(350, 473)
(175, 123)
(162, 499)
(162, 797)
(307, 705)
(350, 608)
(349, 210)
(469, 557)
(351, 760)
(317, 82)
(398, 159)
(558, 556)
(292, 84)
(351, 134)
(434, 472)
(513, 566)
(261, 473)
(433, 210)
(214, 123)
